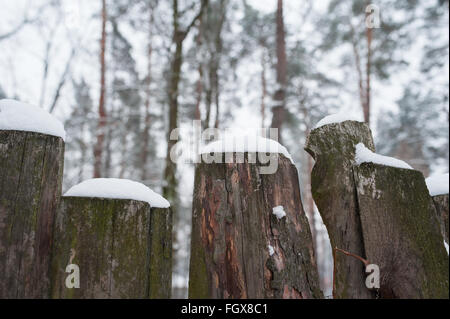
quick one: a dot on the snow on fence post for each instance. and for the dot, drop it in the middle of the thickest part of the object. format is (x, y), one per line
(401, 232)
(333, 148)
(121, 248)
(250, 235)
(397, 227)
(31, 168)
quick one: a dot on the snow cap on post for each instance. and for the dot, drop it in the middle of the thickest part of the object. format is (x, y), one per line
(241, 142)
(18, 116)
(118, 189)
(336, 118)
(364, 155)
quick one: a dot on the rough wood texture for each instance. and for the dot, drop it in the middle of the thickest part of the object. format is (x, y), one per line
(333, 188)
(122, 247)
(441, 204)
(401, 232)
(31, 167)
(233, 225)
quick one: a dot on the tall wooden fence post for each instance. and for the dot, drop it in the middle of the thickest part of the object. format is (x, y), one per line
(333, 149)
(377, 209)
(250, 236)
(122, 248)
(31, 169)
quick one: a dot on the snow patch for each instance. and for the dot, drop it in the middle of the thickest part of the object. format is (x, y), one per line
(364, 155)
(271, 250)
(336, 118)
(119, 189)
(446, 246)
(279, 212)
(245, 143)
(437, 185)
(15, 115)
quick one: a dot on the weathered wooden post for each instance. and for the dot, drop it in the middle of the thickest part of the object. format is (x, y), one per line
(401, 230)
(250, 236)
(438, 187)
(394, 222)
(31, 168)
(118, 234)
(333, 148)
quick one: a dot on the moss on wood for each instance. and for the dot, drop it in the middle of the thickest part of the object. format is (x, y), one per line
(401, 232)
(333, 188)
(122, 247)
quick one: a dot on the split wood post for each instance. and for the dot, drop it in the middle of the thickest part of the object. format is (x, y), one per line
(383, 215)
(333, 149)
(123, 249)
(401, 232)
(31, 169)
(234, 232)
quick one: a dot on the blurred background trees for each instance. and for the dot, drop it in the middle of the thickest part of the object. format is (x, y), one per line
(123, 74)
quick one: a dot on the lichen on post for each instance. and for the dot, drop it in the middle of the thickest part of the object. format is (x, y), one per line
(378, 214)
(31, 168)
(401, 232)
(122, 247)
(333, 148)
(239, 247)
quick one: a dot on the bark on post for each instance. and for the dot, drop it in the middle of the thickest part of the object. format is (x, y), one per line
(31, 167)
(122, 248)
(441, 204)
(333, 188)
(233, 226)
(401, 232)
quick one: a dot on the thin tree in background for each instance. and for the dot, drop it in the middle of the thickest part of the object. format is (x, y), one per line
(366, 106)
(179, 35)
(278, 108)
(148, 82)
(98, 148)
(263, 87)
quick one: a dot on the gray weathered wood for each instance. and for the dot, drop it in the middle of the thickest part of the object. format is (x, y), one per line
(401, 232)
(333, 188)
(31, 167)
(233, 225)
(122, 247)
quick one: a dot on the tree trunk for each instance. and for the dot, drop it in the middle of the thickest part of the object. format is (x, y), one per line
(171, 184)
(367, 95)
(98, 148)
(263, 88)
(147, 124)
(280, 93)
(122, 248)
(333, 189)
(441, 204)
(234, 231)
(31, 169)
